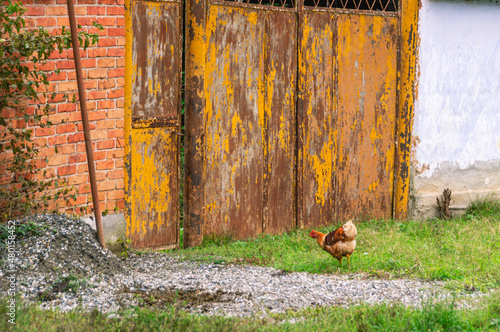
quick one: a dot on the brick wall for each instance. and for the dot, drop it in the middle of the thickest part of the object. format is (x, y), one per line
(103, 73)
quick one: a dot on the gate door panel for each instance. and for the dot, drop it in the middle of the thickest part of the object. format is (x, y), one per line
(346, 109)
(249, 121)
(316, 117)
(367, 69)
(152, 164)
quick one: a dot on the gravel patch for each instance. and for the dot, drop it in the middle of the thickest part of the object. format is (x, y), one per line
(63, 266)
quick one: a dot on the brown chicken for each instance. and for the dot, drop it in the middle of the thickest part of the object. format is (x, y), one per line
(338, 243)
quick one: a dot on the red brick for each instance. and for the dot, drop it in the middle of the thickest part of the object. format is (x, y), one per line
(97, 135)
(107, 144)
(120, 103)
(66, 149)
(35, 11)
(62, 21)
(117, 93)
(120, 123)
(29, 22)
(85, 21)
(105, 164)
(83, 168)
(68, 86)
(107, 21)
(72, 75)
(106, 185)
(97, 115)
(39, 132)
(105, 104)
(120, 143)
(120, 62)
(78, 137)
(120, 204)
(88, 63)
(98, 94)
(106, 124)
(79, 126)
(75, 116)
(58, 160)
(66, 64)
(116, 32)
(120, 184)
(65, 128)
(46, 21)
(116, 10)
(58, 140)
(99, 155)
(115, 133)
(96, 10)
(85, 2)
(56, 10)
(77, 158)
(91, 106)
(103, 42)
(120, 21)
(115, 174)
(58, 118)
(66, 170)
(116, 114)
(106, 84)
(97, 52)
(85, 189)
(115, 153)
(107, 2)
(90, 84)
(100, 175)
(119, 72)
(98, 73)
(49, 151)
(62, 76)
(120, 41)
(120, 81)
(116, 194)
(67, 107)
(106, 62)
(118, 52)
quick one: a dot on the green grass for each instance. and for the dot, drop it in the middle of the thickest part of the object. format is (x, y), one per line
(431, 317)
(464, 252)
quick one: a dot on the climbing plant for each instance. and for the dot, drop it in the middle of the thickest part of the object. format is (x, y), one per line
(24, 106)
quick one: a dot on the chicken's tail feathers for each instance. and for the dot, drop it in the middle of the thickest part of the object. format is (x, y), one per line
(350, 230)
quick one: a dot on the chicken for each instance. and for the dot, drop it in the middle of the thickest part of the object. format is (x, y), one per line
(338, 243)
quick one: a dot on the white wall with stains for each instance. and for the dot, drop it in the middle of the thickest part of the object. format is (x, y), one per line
(457, 113)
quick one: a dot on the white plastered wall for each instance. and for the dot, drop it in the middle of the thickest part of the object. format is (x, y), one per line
(457, 113)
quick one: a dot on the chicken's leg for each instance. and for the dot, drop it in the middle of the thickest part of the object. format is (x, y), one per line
(348, 261)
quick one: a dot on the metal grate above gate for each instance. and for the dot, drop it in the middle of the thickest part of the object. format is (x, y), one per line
(369, 5)
(272, 3)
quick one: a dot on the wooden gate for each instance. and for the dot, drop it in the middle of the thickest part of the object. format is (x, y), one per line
(348, 63)
(292, 115)
(152, 122)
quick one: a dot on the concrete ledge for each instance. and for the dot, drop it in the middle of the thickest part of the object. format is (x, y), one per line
(114, 228)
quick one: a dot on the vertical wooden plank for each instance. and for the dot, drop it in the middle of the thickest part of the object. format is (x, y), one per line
(279, 152)
(234, 121)
(367, 62)
(316, 118)
(194, 126)
(409, 41)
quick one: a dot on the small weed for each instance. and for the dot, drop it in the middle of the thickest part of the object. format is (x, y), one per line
(127, 247)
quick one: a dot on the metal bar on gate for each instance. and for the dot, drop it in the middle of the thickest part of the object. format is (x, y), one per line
(85, 121)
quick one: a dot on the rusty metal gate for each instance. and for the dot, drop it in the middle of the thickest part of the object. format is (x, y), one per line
(293, 116)
(154, 58)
